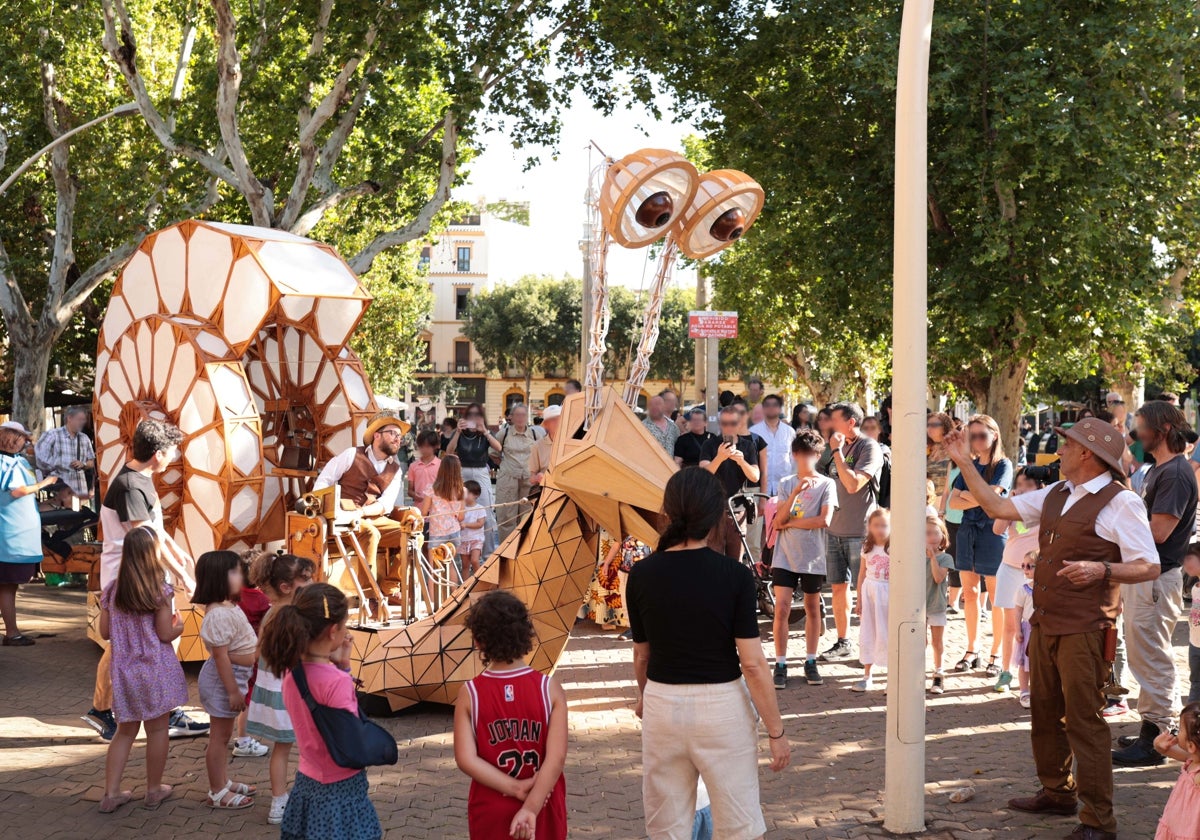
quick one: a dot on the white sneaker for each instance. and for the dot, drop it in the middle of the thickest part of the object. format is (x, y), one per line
(278, 806)
(863, 685)
(249, 748)
(1024, 700)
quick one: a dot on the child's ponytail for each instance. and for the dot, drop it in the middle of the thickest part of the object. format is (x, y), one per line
(292, 627)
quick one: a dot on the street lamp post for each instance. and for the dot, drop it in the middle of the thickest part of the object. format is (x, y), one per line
(904, 774)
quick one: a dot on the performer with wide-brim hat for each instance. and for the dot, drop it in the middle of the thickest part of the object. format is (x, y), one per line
(370, 480)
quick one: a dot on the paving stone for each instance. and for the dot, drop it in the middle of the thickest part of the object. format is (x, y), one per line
(52, 765)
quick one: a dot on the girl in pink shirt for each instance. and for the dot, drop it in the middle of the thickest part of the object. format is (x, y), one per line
(328, 801)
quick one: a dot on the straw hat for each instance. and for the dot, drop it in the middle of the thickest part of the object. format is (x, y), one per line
(380, 421)
(1104, 440)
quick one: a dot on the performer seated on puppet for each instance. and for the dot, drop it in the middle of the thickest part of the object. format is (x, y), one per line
(370, 482)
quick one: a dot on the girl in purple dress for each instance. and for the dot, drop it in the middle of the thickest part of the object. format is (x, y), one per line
(138, 620)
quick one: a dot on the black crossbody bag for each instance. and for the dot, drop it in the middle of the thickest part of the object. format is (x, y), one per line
(353, 741)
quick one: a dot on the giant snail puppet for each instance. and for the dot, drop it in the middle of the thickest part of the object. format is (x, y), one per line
(239, 336)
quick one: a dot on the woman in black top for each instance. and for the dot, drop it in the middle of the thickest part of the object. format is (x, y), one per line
(472, 442)
(697, 717)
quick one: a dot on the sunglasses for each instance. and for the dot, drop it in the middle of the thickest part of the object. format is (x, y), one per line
(1028, 566)
(979, 436)
(725, 424)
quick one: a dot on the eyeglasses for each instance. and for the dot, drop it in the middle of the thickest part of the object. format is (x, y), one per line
(395, 433)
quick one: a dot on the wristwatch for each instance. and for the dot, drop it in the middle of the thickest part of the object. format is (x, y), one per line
(1107, 571)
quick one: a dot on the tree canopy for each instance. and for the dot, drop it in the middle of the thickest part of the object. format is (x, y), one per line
(1062, 179)
(345, 120)
(534, 325)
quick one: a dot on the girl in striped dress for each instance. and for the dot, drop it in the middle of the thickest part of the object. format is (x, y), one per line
(280, 576)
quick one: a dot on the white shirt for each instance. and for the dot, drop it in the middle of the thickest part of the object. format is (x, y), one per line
(1122, 521)
(779, 451)
(339, 464)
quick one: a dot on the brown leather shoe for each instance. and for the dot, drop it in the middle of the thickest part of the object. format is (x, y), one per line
(1090, 832)
(1046, 803)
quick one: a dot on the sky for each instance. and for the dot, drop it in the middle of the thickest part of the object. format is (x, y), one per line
(555, 188)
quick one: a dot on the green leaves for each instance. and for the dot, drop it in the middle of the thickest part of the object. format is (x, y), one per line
(1061, 138)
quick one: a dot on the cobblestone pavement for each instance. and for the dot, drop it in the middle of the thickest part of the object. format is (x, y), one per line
(52, 766)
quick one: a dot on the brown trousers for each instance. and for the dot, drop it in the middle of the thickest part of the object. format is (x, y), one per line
(382, 532)
(102, 696)
(1066, 677)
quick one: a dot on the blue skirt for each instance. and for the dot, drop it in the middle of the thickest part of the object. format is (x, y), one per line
(340, 811)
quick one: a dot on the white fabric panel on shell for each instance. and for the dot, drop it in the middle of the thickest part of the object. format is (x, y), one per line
(245, 448)
(117, 319)
(247, 300)
(170, 257)
(210, 256)
(243, 509)
(307, 270)
(252, 232)
(138, 286)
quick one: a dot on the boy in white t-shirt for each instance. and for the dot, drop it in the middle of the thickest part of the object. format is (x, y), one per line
(1191, 566)
(474, 520)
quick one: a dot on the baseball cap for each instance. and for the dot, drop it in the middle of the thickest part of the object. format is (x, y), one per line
(16, 427)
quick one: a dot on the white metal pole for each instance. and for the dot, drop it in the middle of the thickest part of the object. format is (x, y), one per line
(904, 785)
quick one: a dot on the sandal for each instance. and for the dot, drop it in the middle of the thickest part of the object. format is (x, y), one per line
(969, 662)
(157, 797)
(229, 799)
(992, 670)
(111, 803)
(20, 640)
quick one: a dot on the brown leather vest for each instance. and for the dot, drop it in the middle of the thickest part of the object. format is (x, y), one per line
(361, 479)
(1060, 607)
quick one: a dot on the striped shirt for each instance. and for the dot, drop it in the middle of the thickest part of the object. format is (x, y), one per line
(56, 449)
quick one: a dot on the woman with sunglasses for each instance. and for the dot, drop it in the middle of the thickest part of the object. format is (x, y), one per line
(980, 550)
(473, 442)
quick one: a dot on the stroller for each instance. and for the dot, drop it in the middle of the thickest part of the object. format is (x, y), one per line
(743, 507)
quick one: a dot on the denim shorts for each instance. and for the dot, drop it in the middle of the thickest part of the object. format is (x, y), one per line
(842, 557)
(979, 550)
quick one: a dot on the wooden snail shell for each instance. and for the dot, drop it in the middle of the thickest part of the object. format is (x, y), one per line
(219, 329)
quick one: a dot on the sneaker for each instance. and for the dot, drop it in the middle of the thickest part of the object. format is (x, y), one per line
(951, 610)
(780, 677)
(182, 726)
(1024, 700)
(103, 722)
(938, 684)
(1002, 684)
(1115, 708)
(249, 748)
(863, 685)
(278, 806)
(840, 650)
(811, 675)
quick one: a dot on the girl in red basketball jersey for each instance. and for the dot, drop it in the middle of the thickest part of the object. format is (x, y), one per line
(510, 731)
